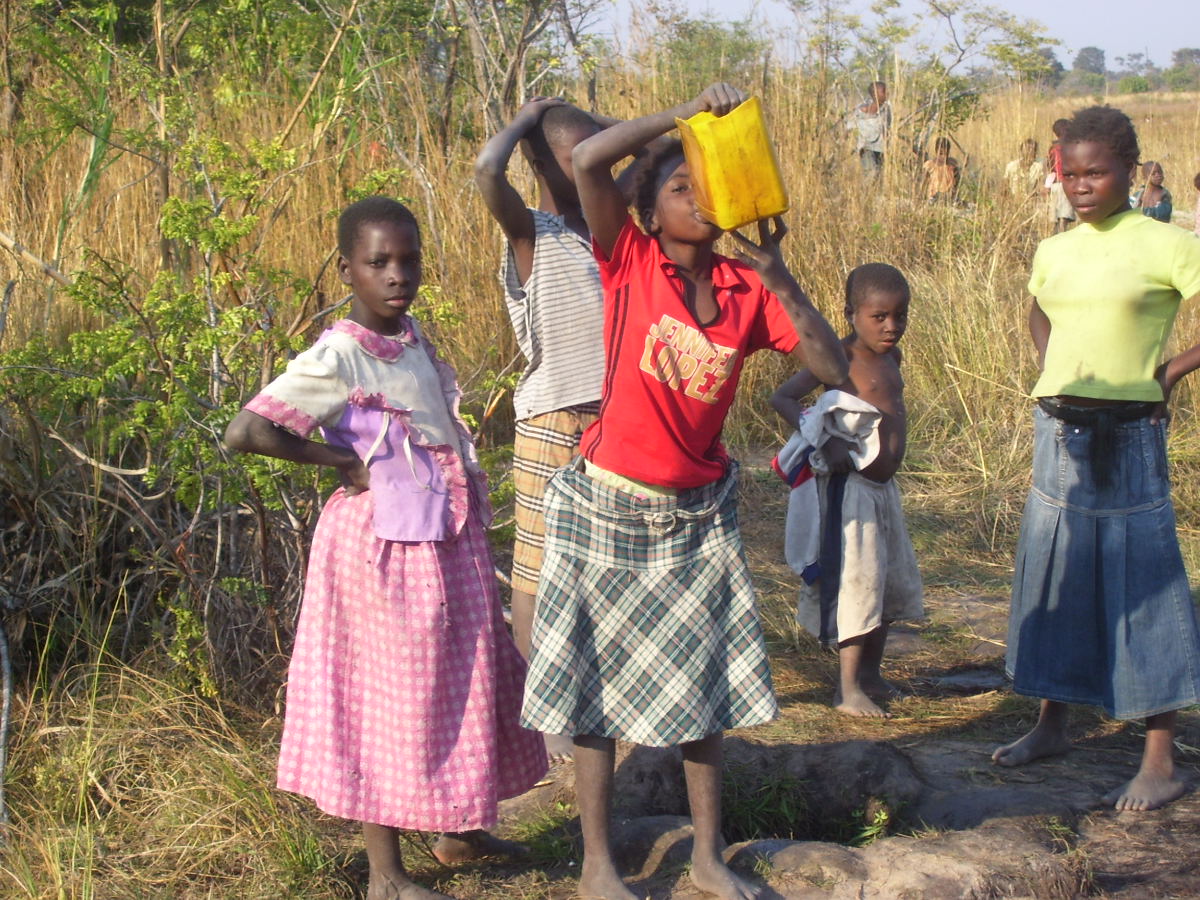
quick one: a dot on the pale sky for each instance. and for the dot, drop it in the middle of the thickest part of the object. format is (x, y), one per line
(1154, 27)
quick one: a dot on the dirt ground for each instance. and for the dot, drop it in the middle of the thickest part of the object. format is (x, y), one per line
(821, 805)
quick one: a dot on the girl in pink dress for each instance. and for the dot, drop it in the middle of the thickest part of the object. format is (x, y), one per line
(404, 688)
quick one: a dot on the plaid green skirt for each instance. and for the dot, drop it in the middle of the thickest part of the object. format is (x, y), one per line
(646, 628)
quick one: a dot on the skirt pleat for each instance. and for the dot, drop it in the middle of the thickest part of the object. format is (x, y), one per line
(1102, 612)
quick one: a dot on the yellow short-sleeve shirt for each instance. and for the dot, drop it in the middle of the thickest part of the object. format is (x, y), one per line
(1111, 291)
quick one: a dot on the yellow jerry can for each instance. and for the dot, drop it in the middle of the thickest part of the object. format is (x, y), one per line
(734, 171)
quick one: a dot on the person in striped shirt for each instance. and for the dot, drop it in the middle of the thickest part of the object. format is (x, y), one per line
(556, 306)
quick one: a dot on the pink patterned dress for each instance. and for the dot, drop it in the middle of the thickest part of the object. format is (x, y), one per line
(405, 688)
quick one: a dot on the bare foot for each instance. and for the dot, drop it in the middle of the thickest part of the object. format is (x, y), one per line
(383, 887)
(1042, 741)
(603, 885)
(858, 704)
(878, 687)
(1146, 791)
(717, 878)
(453, 848)
(560, 748)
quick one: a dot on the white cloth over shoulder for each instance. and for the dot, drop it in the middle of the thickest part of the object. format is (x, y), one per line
(835, 414)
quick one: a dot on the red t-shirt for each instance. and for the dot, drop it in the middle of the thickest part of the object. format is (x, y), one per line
(1056, 160)
(668, 382)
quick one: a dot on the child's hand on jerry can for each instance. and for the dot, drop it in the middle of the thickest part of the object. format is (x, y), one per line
(719, 98)
(764, 257)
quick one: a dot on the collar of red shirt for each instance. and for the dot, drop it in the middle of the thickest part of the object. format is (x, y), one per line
(725, 275)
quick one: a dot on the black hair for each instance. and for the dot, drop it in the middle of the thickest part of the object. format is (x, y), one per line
(1060, 127)
(1105, 125)
(1148, 167)
(874, 277)
(940, 143)
(371, 209)
(648, 180)
(557, 124)
(1196, 181)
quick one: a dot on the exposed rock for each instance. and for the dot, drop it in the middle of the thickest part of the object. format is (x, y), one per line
(970, 681)
(651, 845)
(845, 777)
(837, 780)
(649, 782)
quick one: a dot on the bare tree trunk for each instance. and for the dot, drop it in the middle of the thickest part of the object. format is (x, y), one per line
(12, 89)
(163, 175)
(448, 88)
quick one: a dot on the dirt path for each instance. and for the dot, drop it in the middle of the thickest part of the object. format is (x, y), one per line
(909, 807)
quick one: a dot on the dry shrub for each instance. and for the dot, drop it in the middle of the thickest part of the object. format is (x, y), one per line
(125, 786)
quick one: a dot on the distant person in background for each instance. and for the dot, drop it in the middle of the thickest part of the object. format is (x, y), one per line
(871, 121)
(1025, 174)
(1061, 211)
(1153, 199)
(942, 173)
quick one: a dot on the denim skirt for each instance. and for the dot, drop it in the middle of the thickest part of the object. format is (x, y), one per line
(1101, 609)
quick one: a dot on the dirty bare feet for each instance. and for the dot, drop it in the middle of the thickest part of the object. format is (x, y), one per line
(1043, 740)
(717, 878)
(384, 887)
(388, 878)
(1155, 783)
(1144, 792)
(459, 847)
(875, 685)
(602, 883)
(560, 748)
(858, 704)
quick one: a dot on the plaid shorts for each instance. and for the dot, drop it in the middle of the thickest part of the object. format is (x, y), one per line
(645, 627)
(543, 443)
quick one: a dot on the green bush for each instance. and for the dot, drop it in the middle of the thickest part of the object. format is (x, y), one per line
(1133, 84)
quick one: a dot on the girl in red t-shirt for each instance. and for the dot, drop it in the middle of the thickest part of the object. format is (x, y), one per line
(645, 626)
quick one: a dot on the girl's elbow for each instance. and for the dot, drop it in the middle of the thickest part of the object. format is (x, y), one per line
(826, 360)
(239, 433)
(487, 170)
(586, 158)
(834, 370)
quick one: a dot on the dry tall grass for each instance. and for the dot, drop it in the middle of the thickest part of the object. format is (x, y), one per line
(125, 786)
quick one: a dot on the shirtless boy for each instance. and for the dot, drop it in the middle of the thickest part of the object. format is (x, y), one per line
(871, 570)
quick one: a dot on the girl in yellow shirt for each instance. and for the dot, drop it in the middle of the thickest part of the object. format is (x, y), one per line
(1101, 609)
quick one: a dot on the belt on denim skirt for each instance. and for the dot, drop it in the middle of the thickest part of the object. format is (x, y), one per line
(1102, 420)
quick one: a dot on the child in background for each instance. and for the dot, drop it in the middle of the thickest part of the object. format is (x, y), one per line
(645, 627)
(871, 121)
(1101, 608)
(1061, 211)
(1025, 174)
(942, 173)
(555, 304)
(1153, 199)
(856, 435)
(404, 685)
